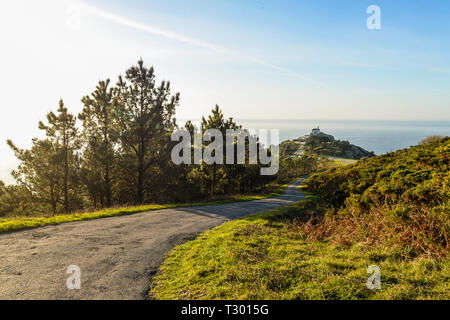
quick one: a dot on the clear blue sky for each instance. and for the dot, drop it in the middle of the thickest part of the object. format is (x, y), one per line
(257, 59)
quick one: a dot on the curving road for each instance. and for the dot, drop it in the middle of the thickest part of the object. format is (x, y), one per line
(117, 256)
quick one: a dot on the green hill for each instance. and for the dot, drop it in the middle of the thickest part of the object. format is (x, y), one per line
(401, 197)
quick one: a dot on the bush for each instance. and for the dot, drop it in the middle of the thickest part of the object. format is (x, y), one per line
(401, 197)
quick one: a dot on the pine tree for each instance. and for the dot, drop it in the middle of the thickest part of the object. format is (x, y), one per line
(146, 118)
(39, 172)
(216, 120)
(100, 136)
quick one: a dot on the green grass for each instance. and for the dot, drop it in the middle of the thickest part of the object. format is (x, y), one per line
(343, 161)
(265, 257)
(20, 223)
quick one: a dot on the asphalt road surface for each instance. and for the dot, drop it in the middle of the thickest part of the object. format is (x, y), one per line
(117, 256)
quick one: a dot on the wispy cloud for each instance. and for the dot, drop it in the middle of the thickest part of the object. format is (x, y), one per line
(126, 22)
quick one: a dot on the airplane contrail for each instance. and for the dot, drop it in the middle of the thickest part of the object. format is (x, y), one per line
(94, 11)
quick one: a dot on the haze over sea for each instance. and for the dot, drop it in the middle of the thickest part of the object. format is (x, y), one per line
(379, 136)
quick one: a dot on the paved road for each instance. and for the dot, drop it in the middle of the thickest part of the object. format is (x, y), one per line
(117, 256)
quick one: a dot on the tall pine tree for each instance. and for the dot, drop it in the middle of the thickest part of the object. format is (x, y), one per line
(61, 131)
(216, 120)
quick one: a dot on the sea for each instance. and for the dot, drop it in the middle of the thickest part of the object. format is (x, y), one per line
(373, 135)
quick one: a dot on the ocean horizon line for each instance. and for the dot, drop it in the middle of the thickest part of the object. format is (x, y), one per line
(327, 120)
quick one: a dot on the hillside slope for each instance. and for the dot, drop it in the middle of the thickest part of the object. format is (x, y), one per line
(402, 197)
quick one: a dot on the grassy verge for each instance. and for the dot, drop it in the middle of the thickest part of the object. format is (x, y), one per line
(19, 223)
(265, 257)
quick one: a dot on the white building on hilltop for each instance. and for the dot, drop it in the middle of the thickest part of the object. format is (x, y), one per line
(315, 131)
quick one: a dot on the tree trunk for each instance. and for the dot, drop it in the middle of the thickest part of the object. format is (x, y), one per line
(213, 185)
(108, 188)
(66, 176)
(140, 186)
(52, 194)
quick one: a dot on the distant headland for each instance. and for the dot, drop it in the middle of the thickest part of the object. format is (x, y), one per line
(322, 144)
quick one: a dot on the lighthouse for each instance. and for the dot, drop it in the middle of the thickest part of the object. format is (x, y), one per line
(315, 131)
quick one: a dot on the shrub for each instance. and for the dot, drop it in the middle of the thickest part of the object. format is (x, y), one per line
(402, 198)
